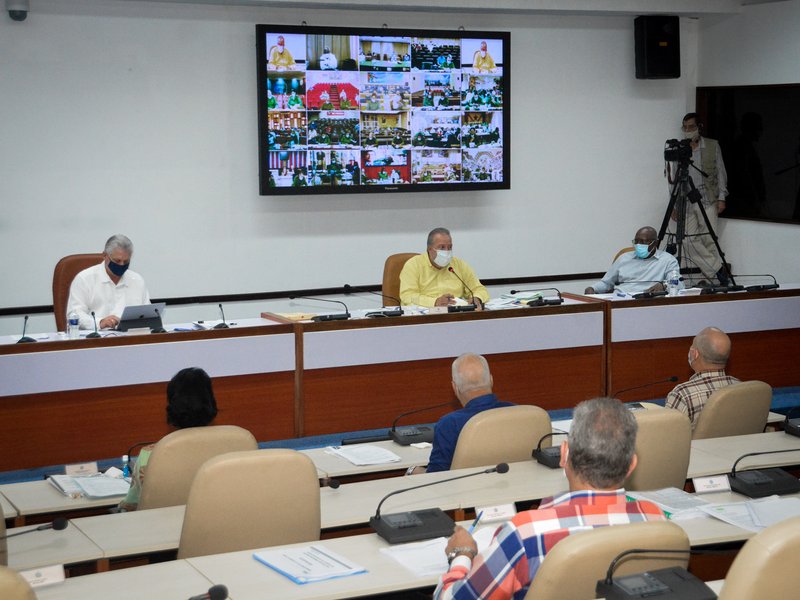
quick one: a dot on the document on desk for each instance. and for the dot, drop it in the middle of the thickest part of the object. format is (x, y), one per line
(677, 503)
(364, 454)
(307, 564)
(773, 510)
(101, 486)
(735, 513)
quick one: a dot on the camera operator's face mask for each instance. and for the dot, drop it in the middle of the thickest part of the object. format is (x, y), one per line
(692, 134)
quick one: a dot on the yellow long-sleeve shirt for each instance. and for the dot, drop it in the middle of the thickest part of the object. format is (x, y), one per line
(421, 283)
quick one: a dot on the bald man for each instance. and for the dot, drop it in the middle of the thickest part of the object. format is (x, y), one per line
(472, 384)
(708, 357)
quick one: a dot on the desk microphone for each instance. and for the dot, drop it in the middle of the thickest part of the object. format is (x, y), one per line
(672, 583)
(58, 524)
(551, 456)
(335, 317)
(413, 435)
(760, 288)
(223, 324)
(215, 592)
(763, 482)
(541, 301)
(396, 312)
(25, 339)
(418, 525)
(792, 426)
(94, 334)
(468, 307)
(672, 379)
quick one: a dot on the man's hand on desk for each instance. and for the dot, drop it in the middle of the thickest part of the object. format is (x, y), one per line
(589, 290)
(477, 302)
(416, 470)
(461, 539)
(658, 287)
(109, 322)
(445, 300)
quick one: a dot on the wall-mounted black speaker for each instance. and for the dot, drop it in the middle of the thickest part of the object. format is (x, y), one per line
(658, 47)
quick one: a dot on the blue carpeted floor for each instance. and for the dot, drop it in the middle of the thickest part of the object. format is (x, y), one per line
(783, 399)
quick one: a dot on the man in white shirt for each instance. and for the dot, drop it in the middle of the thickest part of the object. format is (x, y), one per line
(107, 288)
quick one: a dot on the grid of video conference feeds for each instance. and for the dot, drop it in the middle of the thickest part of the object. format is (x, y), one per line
(363, 110)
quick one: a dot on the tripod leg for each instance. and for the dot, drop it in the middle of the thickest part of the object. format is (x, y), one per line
(714, 238)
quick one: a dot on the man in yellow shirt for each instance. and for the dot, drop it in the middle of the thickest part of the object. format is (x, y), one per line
(437, 278)
(482, 61)
(280, 59)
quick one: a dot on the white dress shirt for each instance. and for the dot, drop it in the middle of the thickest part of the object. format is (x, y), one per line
(93, 290)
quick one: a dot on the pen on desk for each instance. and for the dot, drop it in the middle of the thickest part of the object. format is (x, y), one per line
(475, 522)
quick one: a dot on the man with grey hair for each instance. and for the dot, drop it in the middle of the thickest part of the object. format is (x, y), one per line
(708, 357)
(107, 288)
(437, 278)
(597, 458)
(472, 384)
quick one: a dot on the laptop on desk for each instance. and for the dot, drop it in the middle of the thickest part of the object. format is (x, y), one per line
(143, 315)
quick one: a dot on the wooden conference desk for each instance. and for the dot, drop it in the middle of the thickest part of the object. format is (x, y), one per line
(648, 340)
(73, 401)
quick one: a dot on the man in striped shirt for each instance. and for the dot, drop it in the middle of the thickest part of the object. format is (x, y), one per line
(708, 357)
(597, 458)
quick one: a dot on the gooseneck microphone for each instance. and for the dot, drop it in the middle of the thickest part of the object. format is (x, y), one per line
(549, 457)
(760, 483)
(223, 324)
(541, 301)
(760, 288)
(94, 334)
(57, 524)
(215, 592)
(671, 583)
(129, 453)
(391, 312)
(418, 525)
(25, 339)
(413, 435)
(335, 317)
(468, 307)
(672, 379)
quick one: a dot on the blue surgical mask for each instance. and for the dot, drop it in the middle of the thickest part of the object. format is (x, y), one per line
(118, 270)
(642, 250)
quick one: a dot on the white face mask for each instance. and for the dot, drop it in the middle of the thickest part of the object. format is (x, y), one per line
(690, 135)
(483, 53)
(443, 258)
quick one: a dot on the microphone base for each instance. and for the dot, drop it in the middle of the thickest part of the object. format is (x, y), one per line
(25, 340)
(93, 336)
(648, 295)
(792, 427)
(222, 325)
(411, 435)
(462, 308)
(671, 583)
(764, 482)
(549, 457)
(368, 439)
(399, 528)
(384, 313)
(762, 288)
(543, 302)
(337, 317)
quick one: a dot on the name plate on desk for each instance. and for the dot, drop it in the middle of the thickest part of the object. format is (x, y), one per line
(715, 483)
(51, 575)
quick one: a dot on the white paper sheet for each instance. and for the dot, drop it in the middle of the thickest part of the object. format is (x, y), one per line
(365, 454)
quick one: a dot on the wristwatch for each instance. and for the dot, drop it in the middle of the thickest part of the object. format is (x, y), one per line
(471, 552)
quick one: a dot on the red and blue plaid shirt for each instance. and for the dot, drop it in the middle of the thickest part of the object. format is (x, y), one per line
(507, 567)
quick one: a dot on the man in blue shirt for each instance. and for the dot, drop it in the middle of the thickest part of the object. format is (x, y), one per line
(642, 270)
(472, 384)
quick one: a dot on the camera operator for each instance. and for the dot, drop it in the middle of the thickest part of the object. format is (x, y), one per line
(707, 156)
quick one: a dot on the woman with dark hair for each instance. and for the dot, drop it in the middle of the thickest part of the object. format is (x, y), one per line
(190, 403)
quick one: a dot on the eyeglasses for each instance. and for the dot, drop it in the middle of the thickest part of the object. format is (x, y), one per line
(638, 241)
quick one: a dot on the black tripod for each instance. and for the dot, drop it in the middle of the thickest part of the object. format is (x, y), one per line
(684, 191)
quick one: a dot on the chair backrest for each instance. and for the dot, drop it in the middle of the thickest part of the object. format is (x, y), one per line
(621, 252)
(574, 565)
(391, 276)
(13, 586)
(178, 456)
(3, 542)
(736, 409)
(764, 567)
(663, 445)
(506, 434)
(246, 500)
(63, 274)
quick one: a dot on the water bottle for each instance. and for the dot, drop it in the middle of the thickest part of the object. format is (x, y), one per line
(73, 327)
(126, 471)
(673, 282)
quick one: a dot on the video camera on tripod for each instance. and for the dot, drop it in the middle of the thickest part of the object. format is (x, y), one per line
(679, 151)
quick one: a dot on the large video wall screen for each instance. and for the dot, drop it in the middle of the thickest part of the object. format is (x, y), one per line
(379, 110)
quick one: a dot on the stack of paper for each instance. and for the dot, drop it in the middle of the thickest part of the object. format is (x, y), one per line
(365, 454)
(677, 503)
(306, 564)
(92, 486)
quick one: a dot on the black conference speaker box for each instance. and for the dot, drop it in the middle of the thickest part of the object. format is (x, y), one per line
(658, 47)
